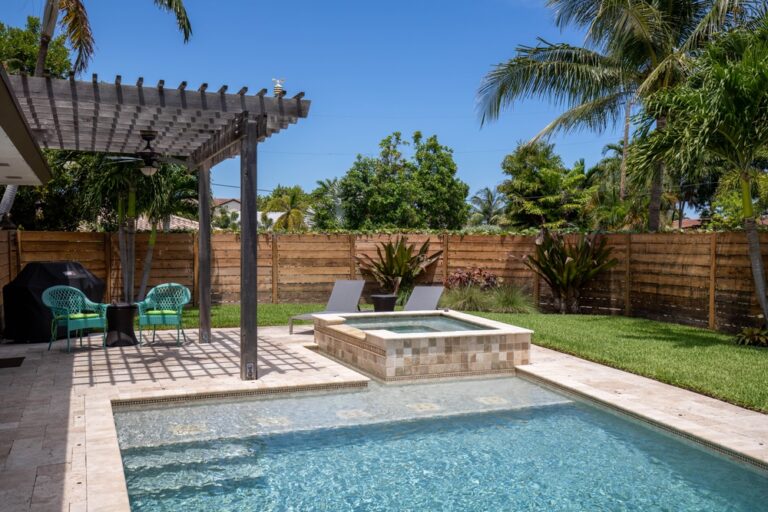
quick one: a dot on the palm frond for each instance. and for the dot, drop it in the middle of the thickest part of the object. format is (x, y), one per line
(177, 8)
(670, 71)
(594, 115)
(621, 23)
(722, 14)
(567, 74)
(78, 31)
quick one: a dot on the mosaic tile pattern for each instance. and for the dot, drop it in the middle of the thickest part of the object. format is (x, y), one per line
(401, 358)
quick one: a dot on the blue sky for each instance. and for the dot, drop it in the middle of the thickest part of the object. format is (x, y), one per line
(370, 68)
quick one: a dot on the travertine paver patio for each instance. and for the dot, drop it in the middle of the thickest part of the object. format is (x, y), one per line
(58, 445)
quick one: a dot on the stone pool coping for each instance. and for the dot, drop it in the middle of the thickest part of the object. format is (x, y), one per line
(58, 442)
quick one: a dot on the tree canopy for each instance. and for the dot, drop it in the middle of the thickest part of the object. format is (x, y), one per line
(540, 190)
(19, 48)
(391, 190)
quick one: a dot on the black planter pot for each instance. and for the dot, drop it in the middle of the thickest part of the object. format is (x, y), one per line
(384, 301)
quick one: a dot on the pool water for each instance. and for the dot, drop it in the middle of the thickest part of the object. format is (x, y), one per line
(557, 455)
(413, 324)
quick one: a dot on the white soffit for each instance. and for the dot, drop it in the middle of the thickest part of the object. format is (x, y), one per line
(14, 170)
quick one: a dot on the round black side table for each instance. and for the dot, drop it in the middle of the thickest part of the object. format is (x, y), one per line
(120, 325)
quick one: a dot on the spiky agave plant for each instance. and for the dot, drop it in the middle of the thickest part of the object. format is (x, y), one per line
(397, 264)
(568, 267)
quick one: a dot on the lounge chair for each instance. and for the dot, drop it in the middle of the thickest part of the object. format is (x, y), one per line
(164, 305)
(344, 299)
(423, 298)
(72, 309)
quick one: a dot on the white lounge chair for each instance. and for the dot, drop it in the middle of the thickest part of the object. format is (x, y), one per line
(344, 299)
(423, 298)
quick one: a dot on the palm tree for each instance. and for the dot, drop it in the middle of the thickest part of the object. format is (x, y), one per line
(722, 111)
(74, 21)
(292, 207)
(328, 194)
(487, 207)
(117, 184)
(633, 49)
(77, 27)
(173, 191)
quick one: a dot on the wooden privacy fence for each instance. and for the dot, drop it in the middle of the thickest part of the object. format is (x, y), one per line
(701, 279)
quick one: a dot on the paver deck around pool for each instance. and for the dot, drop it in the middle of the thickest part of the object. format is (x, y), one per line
(58, 444)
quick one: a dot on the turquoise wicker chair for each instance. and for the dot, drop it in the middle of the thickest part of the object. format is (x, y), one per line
(163, 306)
(72, 309)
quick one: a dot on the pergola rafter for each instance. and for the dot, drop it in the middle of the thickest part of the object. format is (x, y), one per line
(200, 127)
(107, 117)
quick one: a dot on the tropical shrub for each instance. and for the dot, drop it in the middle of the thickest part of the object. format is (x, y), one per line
(397, 264)
(753, 336)
(478, 277)
(568, 267)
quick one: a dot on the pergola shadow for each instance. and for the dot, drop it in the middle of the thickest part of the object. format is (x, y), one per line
(164, 361)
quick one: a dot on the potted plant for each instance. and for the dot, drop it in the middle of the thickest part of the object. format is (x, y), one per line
(396, 266)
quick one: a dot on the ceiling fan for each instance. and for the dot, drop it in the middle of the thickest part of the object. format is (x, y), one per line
(149, 158)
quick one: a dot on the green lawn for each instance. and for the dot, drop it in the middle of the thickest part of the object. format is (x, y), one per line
(695, 359)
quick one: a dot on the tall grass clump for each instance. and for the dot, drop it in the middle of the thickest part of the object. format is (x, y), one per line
(480, 290)
(466, 298)
(510, 299)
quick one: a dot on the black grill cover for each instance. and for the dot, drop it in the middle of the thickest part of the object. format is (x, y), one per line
(26, 317)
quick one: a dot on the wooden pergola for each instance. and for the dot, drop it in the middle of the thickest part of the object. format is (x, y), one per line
(200, 127)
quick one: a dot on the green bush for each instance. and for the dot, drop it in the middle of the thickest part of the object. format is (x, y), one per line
(500, 299)
(753, 336)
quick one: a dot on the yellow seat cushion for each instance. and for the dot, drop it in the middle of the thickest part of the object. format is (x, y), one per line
(82, 316)
(162, 312)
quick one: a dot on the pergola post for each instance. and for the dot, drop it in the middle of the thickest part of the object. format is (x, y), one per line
(204, 251)
(248, 255)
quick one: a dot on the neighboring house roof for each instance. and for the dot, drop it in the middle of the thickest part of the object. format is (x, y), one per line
(21, 161)
(222, 201)
(690, 224)
(177, 224)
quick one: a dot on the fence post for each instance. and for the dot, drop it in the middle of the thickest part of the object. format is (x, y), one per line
(275, 271)
(352, 250)
(445, 257)
(11, 274)
(18, 251)
(712, 280)
(108, 266)
(627, 277)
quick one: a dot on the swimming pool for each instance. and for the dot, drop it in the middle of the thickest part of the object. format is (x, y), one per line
(496, 444)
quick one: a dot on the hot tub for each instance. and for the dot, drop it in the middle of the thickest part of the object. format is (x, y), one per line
(411, 345)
